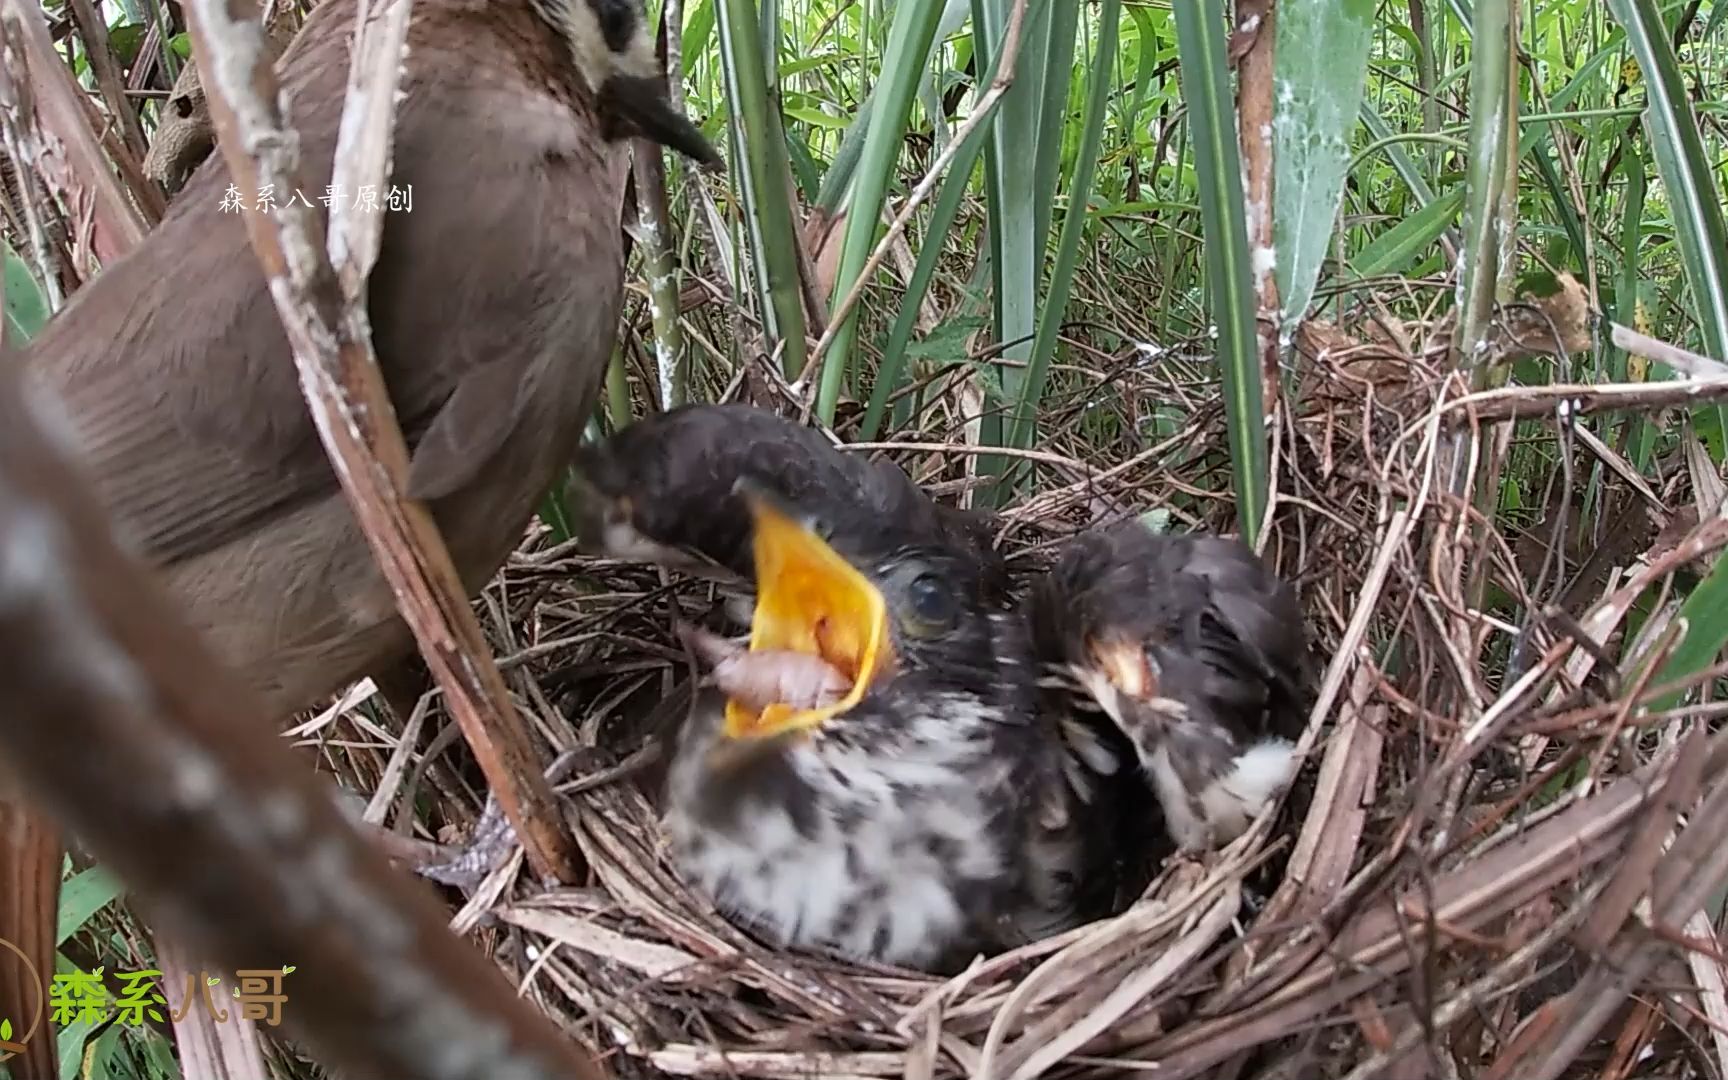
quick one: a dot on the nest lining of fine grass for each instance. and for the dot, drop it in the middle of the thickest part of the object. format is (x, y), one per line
(1436, 880)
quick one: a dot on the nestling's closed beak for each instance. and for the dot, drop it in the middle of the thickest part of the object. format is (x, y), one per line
(1123, 662)
(808, 600)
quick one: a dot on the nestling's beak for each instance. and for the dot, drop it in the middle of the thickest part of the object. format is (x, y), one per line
(809, 600)
(1119, 677)
(645, 108)
(1123, 662)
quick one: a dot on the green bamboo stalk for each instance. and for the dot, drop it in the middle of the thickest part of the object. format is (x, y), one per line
(763, 144)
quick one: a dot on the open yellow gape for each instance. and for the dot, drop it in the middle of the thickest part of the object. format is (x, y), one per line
(808, 600)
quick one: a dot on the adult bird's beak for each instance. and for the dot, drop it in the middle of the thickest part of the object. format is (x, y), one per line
(808, 600)
(643, 103)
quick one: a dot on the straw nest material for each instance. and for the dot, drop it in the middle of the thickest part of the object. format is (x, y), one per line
(1480, 811)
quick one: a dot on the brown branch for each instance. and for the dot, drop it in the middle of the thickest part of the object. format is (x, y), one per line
(121, 723)
(1375, 947)
(62, 149)
(1692, 868)
(326, 324)
(1528, 402)
(107, 73)
(1251, 47)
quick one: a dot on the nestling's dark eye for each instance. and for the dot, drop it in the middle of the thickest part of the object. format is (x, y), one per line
(930, 605)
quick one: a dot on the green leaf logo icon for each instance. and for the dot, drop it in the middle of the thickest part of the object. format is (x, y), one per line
(287, 969)
(5, 1030)
(213, 980)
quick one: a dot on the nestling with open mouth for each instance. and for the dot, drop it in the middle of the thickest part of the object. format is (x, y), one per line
(907, 804)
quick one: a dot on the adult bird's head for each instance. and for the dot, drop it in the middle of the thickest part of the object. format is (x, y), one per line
(613, 47)
(901, 621)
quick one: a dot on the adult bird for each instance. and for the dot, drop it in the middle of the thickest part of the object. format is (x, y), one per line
(1196, 651)
(662, 491)
(493, 306)
(872, 776)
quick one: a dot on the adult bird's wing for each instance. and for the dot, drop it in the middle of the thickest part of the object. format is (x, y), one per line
(173, 365)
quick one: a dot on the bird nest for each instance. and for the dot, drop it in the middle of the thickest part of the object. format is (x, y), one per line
(1452, 887)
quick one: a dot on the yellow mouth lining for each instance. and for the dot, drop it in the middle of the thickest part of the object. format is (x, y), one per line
(809, 600)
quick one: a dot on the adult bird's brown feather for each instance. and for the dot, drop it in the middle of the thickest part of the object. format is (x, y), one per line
(493, 307)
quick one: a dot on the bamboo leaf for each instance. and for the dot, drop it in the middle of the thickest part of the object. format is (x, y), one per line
(88, 892)
(1322, 64)
(1212, 122)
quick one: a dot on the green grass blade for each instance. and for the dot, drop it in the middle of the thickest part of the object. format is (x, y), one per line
(1706, 615)
(1322, 65)
(1394, 250)
(1682, 163)
(1640, 433)
(1017, 248)
(1408, 171)
(1073, 224)
(910, 36)
(26, 308)
(1695, 204)
(1053, 108)
(942, 216)
(1485, 176)
(1212, 120)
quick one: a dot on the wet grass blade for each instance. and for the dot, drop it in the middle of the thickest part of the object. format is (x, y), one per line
(1218, 165)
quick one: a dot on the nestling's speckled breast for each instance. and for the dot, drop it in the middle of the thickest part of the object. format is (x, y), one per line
(893, 843)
